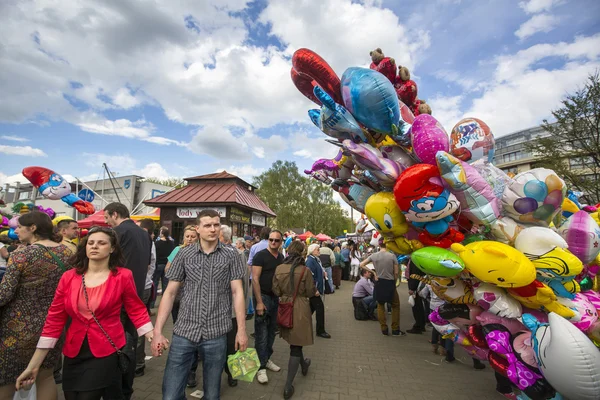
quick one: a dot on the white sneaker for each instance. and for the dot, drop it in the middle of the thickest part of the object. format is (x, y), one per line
(262, 377)
(271, 366)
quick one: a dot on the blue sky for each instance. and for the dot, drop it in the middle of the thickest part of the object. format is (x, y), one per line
(169, 90)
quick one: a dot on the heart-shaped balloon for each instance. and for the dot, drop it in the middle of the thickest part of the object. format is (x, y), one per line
(310, 69)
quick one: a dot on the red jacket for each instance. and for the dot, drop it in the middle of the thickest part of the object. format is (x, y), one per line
(120, 291)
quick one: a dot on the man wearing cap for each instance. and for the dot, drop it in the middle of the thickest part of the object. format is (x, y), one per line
(386, 275)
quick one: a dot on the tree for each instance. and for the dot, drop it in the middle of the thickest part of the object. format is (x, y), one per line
(298, 201)
(572, 148)
(172, 182)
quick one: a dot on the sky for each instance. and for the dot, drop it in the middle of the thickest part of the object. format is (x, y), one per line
(167, 88)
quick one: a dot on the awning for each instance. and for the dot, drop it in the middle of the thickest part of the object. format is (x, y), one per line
(321, 237)
(154, 216)
(94, 219)
(306, 235)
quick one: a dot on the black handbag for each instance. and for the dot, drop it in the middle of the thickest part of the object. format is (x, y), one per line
(124, 360)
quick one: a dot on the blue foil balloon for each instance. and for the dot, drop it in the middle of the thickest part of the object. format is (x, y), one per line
(371, 98)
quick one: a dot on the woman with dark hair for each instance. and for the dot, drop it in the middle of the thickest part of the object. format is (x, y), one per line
(92, 294)
(26, 292)
(293, 282)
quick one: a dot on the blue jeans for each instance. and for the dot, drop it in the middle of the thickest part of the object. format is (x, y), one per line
(181, 356)
(264, 329)
(329, 271)
(159, 276)
(371, 304)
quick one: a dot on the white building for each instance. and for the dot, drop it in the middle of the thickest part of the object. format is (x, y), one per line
(130, 190)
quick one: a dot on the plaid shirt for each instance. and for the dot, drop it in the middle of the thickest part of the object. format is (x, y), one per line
(206, 305)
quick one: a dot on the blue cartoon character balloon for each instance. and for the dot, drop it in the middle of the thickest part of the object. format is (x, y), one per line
(54, 187)
(373, 101)
(335, 120)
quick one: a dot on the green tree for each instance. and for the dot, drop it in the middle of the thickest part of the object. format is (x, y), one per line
(572, 148)
(172, 182)
(300, 202)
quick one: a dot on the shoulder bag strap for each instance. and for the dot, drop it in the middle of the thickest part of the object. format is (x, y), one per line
(298, 285)
(61, 265)
(94, 315)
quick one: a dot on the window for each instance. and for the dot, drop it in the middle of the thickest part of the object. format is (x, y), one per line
(513, 170)
(511, 156)
(24, 195)
(580, 162)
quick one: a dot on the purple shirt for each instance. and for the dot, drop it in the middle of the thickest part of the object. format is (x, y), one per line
(363, 288)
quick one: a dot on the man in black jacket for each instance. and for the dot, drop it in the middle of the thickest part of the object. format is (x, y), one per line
(418, 309)
(136, 246)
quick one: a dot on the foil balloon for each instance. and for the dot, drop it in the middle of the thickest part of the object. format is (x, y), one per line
(556, 266)
(460, 314)
(474, 351)
(471, 139)
(513, 325)
(372, 100)
(54, 187)
(534, 197)
(586, 314)
(527, 379)
(427, 204)
(583, 236)
(12, 225)
(386, 217)
(335, 120)
(428, 137)
(405, 113)
(398, 155)
(496, 301)
(310, 70)
(566, 356)
(476, 197)
(495, 177)
(452, 290)
(339, 167)
(539, 296)
(436, 261)
(367, 157)
(354, 194)
(440, 324)
(496, 263)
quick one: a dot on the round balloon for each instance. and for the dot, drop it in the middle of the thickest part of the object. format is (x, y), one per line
(534, 197)
(582, 234)
(472, 139)
(428, 137)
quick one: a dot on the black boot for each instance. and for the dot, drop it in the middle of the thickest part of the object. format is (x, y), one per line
(293, 365)
(478, 364)
(305, 364)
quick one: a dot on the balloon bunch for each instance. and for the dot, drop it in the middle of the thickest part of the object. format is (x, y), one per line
(516, 259)
(9, 222)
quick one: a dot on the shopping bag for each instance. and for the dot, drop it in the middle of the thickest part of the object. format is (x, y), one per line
(25, 394)
(244, 365)
(411, 300)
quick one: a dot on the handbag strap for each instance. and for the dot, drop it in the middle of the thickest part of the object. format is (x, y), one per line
(298, 285)
(94, 315)
(61, 265)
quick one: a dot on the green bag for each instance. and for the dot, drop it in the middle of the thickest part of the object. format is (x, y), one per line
(244, 365)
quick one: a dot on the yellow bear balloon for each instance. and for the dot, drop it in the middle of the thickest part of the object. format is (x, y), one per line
(386, 217)
(496, 263)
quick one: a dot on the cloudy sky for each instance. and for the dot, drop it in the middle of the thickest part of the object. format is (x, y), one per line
(180, 88)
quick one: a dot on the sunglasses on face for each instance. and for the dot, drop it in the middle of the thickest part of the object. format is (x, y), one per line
(274, 240)
(100, 229)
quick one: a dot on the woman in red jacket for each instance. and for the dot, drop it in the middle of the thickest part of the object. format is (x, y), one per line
(92, 294)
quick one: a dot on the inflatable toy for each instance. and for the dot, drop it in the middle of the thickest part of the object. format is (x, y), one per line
(476, 197)
(309, 70)
(335, 120)
(436, 261)
(427, 205)
(496, 301)
(560, 347)
(513, 325)
(555, 265)
(326, 170)
(586, 313)
(474, 351)
(385, 216)
(538, 296)
(428, 137)
(583, 236)
(505, 230)
(384, 65)
(534, 197)
(452, 290)
(54, 187)
(367, 157)
(471, 139)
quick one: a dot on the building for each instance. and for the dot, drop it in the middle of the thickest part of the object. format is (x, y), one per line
(234, 199)
(130, 190)
(511, 155)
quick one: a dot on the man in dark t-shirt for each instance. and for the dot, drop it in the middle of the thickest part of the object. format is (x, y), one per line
(264, 264)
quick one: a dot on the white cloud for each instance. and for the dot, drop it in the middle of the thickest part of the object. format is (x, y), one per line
(521, 93)
(124, 99)
(120, 127)
(121, 163)
(538, 23)
(536, 6)
(446, 109)
(304, 153)
(246, 171)
(153, 170)
(14, 138)
(26, 151)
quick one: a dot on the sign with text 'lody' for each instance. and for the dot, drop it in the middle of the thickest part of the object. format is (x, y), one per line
(192, 212)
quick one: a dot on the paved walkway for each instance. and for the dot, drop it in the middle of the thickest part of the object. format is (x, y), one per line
(357, 363)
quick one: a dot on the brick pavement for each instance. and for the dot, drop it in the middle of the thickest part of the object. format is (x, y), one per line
(357, 363)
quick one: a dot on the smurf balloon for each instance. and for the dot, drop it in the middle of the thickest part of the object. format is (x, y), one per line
(534, 197)
(54, 187)
(427, 204)
(471, 140)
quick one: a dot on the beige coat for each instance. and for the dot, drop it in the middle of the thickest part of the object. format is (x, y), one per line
(302, 332)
